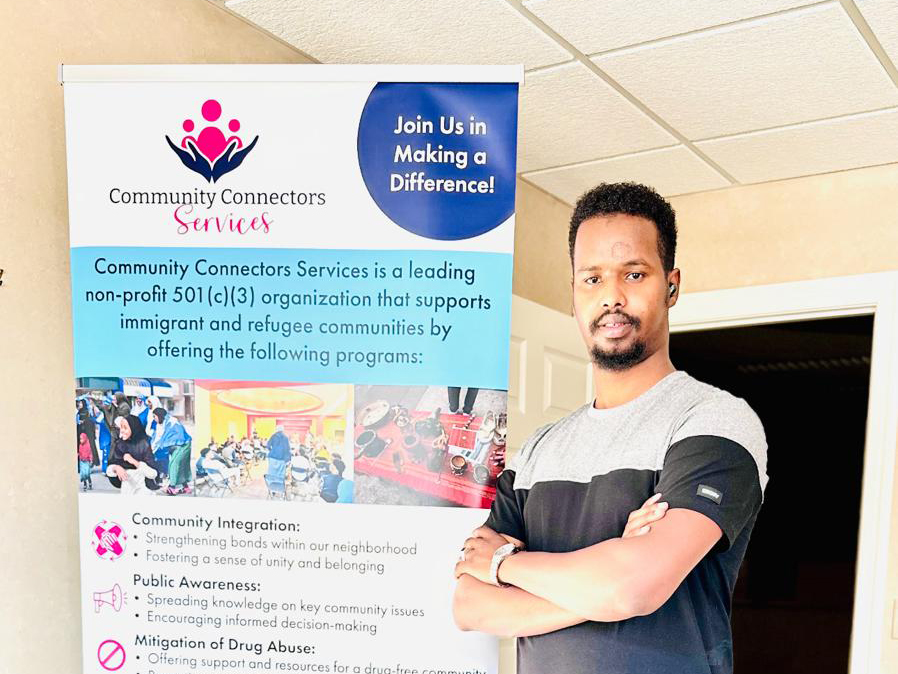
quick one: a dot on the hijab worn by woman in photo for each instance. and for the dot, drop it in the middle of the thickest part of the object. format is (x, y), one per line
(150, 422)
(133, 442)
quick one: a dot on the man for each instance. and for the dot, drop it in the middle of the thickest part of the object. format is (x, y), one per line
(582, 597)
(279, 445)
(330, 481)
(279, 455)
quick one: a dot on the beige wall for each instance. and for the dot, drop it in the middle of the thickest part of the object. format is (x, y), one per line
(542, 268)
(805, 228)
(829, 225)
(40, 619)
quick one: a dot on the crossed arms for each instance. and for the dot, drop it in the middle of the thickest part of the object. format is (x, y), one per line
(616, 579)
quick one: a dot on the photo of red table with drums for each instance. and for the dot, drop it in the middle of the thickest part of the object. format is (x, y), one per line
(425, 446)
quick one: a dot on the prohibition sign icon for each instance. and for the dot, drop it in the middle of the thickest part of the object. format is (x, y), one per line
(111, 655)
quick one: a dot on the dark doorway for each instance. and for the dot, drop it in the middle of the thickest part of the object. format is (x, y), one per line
(809, 382)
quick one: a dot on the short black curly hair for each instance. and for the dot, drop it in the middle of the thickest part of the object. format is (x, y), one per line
(632, 199)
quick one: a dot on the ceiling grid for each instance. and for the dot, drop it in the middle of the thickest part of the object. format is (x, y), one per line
(685, 95)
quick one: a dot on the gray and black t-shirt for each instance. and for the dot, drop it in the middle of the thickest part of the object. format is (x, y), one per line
(575, 482)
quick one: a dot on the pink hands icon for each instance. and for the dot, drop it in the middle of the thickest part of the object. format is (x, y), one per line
(109, 540)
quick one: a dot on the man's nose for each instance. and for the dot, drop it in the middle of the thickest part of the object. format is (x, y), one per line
(612, 294)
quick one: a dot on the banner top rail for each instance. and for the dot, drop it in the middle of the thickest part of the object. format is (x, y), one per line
(290, 72)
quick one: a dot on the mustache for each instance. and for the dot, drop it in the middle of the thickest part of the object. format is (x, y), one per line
(594, 324)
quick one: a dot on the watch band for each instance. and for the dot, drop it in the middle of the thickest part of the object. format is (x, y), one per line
(500, 555)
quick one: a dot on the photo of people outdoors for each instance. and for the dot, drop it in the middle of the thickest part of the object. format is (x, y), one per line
(273, 440)
(429, 445)
(134, 435)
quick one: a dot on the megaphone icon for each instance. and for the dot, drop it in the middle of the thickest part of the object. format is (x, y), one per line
(114, 598)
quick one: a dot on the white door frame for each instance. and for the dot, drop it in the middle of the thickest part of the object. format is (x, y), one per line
(861, 294)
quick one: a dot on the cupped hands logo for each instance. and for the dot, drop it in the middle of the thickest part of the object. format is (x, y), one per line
(210, 153)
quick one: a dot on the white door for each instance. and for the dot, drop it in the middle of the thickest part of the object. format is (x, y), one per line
(549, 376)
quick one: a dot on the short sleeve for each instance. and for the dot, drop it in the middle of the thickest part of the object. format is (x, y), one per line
(716, 465)
(507, 512)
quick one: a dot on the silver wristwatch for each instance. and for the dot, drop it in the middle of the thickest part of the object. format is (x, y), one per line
(500, 555)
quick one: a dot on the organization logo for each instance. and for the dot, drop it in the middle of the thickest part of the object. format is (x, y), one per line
(210, 153)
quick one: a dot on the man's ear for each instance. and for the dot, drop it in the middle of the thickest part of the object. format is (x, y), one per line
(673, 278)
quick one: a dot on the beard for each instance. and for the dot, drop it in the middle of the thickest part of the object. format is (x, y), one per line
(618, 360)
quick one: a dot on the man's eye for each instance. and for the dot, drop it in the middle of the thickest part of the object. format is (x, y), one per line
(592, 280)
(638, 273)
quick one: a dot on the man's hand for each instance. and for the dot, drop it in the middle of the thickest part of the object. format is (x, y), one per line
(479, 549)
(639, 520)
(130, 459)
(120, 472)
(478, 553)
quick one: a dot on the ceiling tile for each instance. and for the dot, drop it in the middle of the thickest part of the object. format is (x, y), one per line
(882, 17)
(568, 114)
(805, 149)
(794, 67)
(599, 26)
(405, 31)
(674, 170)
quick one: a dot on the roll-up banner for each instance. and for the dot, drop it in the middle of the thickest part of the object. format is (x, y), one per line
(291, 289)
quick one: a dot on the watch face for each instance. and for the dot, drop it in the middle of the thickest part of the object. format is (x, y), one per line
(499, 556)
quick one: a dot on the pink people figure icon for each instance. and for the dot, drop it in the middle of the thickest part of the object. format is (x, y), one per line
(211, 153)
(108, 540)
(211, 141)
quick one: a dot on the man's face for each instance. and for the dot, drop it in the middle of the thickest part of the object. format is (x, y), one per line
(618, 278)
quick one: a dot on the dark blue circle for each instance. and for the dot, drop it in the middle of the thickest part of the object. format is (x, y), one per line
(441, 214)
